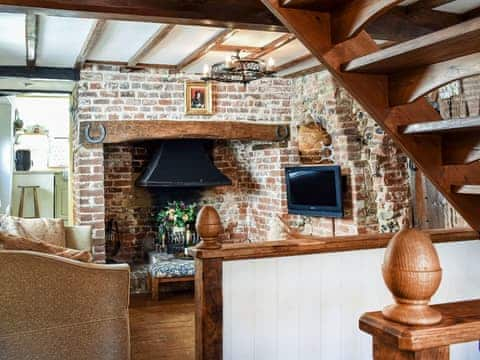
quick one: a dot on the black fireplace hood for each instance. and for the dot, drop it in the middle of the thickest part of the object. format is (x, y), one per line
(182, 163)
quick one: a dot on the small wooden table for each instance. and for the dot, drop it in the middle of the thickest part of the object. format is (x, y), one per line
(393, 341)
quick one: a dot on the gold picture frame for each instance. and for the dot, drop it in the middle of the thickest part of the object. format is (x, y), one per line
(198, 98)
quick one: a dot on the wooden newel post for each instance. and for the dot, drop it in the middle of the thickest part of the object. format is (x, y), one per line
(208, 287)
(209, 227)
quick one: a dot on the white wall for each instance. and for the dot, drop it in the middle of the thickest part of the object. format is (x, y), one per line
(6, 154)
(308, 307)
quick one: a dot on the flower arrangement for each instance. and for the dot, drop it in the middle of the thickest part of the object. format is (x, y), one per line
(177, 214)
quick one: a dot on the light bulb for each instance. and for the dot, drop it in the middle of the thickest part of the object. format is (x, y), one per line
(270, 64)
(206, 69)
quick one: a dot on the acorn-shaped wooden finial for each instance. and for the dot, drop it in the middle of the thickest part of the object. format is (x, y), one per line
(412, 272)
(209, 227)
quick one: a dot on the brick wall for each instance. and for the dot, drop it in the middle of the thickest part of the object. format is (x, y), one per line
(377, 197)
(105, 93)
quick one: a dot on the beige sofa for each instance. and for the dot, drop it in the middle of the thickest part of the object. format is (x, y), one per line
(55, 308)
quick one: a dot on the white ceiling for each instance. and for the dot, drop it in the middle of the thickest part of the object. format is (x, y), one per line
(60, 40)
(180, 43)
(121, 39)
(12, 39)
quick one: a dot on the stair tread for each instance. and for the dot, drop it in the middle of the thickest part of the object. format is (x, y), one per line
(446, 44)
(441, 126)
(467, 189)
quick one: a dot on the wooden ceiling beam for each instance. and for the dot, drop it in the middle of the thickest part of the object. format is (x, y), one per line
(95, 32)
(350, 19)
(205, 48)
(274, 45)
(234, 48)
(31, 39)
(150, 44)
(241, 14)
(307, 71)
(294, 62)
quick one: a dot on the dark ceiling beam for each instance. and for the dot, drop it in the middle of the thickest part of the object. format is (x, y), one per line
(150, 44)
(40, 72)
(241, 14)
(94, 34)
(31, 39)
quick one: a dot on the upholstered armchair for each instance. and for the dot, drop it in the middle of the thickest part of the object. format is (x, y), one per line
(56, 308)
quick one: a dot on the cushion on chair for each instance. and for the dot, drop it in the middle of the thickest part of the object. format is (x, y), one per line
(172, 268)
(51, 231)
(14, 242)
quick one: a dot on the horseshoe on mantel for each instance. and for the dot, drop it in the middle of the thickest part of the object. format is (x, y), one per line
(95, 140)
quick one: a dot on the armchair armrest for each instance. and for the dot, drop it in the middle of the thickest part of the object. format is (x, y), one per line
(79, 237)
(55, 308)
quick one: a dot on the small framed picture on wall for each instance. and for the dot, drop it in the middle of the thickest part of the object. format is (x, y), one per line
(198, 98)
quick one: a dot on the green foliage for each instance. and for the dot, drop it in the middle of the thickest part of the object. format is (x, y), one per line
(177, 214)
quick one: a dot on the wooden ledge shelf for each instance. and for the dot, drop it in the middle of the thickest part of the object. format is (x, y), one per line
(461, 323)
(316, 245)
(114, 132)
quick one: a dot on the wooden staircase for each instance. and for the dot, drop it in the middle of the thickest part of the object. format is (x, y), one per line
(390, 85)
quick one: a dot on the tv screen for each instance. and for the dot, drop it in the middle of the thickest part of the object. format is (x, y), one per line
(315, 191)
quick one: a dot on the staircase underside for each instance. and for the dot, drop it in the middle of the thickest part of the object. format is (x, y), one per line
(390, 85)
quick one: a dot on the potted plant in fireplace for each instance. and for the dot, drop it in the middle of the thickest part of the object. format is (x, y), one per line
(175, 226)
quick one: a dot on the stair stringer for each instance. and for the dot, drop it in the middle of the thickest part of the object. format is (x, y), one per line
(313, 29)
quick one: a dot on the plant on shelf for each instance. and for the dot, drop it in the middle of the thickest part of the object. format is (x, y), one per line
(174, 221)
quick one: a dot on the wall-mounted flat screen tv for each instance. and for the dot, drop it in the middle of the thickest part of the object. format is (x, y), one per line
(315, 191)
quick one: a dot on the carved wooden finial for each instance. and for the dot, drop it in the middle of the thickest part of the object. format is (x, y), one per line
(209, 227)
(412, 272)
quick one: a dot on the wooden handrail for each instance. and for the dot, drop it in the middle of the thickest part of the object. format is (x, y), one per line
(316, 245)
(461, 323)
(211, 253)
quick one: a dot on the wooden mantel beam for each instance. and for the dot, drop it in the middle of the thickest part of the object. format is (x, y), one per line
(140, 130)
(241, 14)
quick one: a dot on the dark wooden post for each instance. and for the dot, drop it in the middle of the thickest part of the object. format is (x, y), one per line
(208, 288)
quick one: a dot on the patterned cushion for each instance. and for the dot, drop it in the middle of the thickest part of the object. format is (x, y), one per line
(173, 268)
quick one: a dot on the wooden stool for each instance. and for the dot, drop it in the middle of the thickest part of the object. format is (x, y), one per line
(35, 200)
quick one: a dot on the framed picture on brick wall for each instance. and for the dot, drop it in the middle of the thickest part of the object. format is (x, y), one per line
(198, 98)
